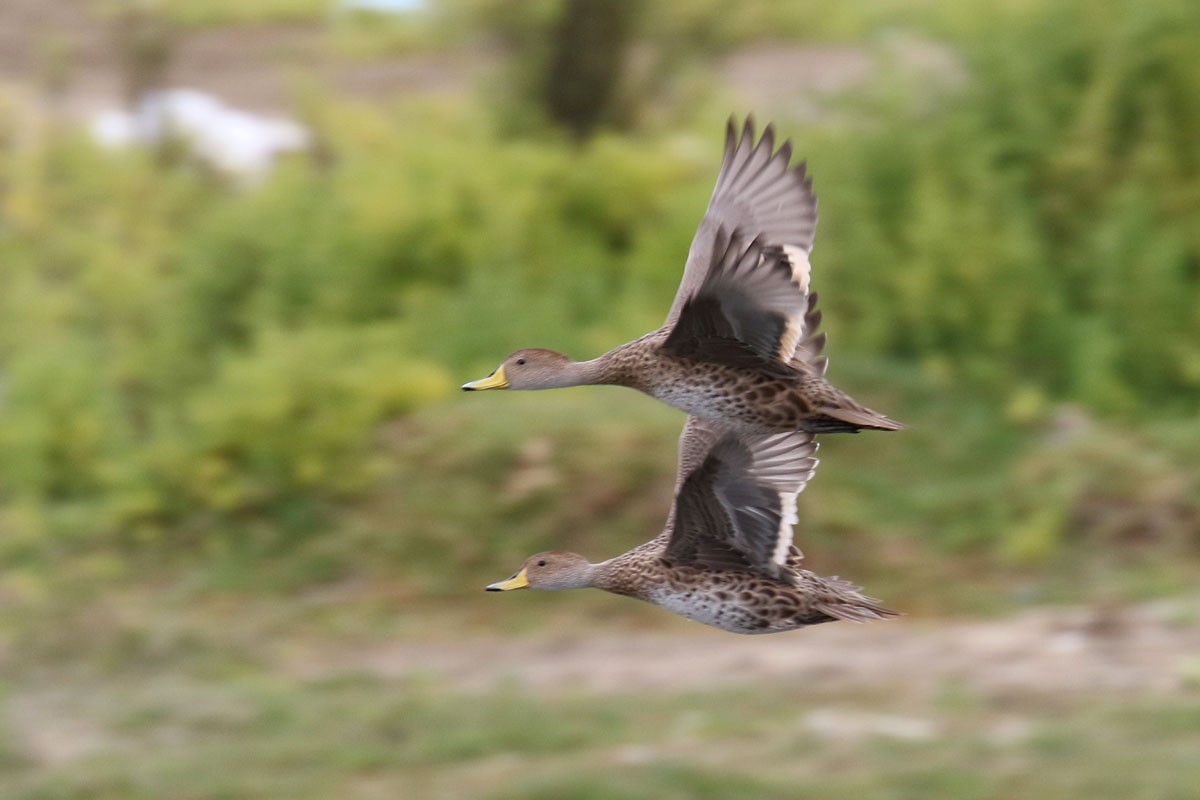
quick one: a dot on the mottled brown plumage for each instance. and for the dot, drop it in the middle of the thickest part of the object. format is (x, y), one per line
(740, 344)
(726, 556)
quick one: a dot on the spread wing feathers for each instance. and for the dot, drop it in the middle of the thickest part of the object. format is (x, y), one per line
(737, 509)
(807, 355)
(757, 192)
(754, 294)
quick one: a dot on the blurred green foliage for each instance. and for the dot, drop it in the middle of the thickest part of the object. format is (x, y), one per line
(170, 349)
(1039, 229)
(179, 354)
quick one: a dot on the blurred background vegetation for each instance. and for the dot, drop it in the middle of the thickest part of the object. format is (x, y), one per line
(228, 405)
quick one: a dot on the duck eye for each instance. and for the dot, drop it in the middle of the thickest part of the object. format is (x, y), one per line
(520, 362)
(542, 563)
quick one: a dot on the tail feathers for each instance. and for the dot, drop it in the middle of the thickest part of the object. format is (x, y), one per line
(850, 420)
(847, 602)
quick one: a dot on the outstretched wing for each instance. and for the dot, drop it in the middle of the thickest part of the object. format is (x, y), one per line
(758, 194)
(738, 508)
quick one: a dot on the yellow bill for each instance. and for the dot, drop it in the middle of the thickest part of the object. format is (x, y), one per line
(494, 381)
(518, 581)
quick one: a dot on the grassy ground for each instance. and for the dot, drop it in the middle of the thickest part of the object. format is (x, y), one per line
(226, 728)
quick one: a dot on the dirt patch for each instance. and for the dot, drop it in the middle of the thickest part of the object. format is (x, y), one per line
(1144, 648)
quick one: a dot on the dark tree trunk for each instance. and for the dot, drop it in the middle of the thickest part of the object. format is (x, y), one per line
(587, 60)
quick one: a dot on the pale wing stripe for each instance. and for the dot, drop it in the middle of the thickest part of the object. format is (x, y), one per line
(794, 328)
(787, 527)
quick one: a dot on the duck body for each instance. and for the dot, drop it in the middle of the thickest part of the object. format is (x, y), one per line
(740, 343)
(757, 397)
(726, 556)
(745, 392)
(736, 601)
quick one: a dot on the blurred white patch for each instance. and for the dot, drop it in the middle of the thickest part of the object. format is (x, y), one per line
(383, 6)
(1068, 642)
(829, 723)
(113, 128)
(1010, 731)
(636, 755)
(236, 142)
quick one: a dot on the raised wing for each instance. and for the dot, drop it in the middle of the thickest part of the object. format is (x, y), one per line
(738, 508)
(758, 194)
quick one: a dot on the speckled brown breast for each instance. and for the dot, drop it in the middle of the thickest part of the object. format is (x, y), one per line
(738, 602)
(748, 400)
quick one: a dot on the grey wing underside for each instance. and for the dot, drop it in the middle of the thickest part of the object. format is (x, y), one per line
(735, 504)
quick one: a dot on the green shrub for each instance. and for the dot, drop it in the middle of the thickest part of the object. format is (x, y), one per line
(294, 414)
(1041, 223)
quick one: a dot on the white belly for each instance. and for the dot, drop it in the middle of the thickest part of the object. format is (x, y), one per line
(699, 607)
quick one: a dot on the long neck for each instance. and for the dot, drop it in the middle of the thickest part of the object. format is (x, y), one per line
(625, 365)
(612, 576)
(597, 372)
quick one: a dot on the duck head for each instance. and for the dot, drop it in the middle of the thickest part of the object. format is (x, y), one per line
(553, 569)
(532, 368)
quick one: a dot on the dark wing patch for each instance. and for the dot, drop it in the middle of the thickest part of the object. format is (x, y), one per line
(702, 533)
(750, 297)
(737, 509)
(755, 512)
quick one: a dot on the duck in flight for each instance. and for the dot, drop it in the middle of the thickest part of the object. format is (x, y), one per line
(726, 557)
(740, 345)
